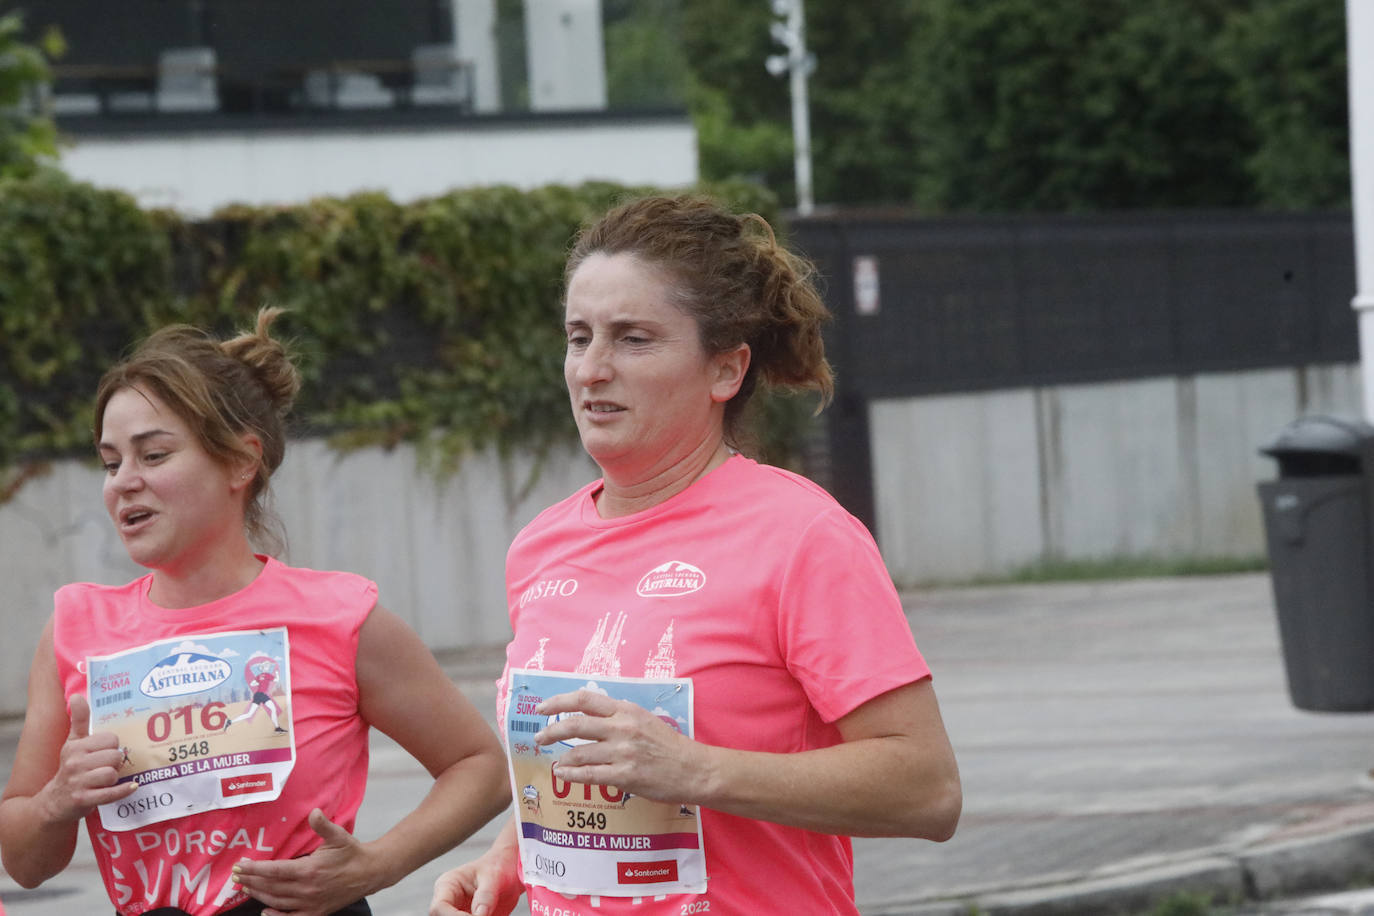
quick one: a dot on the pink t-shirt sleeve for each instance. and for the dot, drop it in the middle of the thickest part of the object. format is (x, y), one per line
(840, 623)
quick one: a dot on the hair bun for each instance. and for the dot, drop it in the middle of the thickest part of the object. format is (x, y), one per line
(268, 358)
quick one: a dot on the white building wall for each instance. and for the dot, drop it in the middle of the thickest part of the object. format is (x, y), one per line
(984, 484)
(1116, 487)
(196, 174)
(987, 443)
(1253, 407)
(436, 549)
(565, 55)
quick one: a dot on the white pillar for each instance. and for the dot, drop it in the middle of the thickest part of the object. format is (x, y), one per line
(474, 37)
(565, 55)
(1359, 30)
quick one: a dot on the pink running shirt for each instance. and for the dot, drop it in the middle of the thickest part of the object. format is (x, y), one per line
(756, 584)
(186, 862)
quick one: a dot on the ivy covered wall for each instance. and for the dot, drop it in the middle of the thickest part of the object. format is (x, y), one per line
(436, 322)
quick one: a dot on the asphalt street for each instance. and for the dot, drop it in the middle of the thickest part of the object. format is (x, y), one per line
(1121, 743)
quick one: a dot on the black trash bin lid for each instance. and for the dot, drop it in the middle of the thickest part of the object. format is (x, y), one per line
(1321, 435)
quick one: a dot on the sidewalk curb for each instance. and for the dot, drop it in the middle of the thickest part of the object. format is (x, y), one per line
(1328, 863)
(1324, 863)
(1217, 877)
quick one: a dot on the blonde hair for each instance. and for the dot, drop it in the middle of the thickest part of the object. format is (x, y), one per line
(222, 390)
(729, 273)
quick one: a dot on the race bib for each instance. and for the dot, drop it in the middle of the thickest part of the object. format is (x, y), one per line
(587, 839)
(204, 722)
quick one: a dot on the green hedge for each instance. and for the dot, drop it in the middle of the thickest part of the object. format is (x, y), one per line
(436, 322)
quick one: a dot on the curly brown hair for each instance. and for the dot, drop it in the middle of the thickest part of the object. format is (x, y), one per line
(730, 274)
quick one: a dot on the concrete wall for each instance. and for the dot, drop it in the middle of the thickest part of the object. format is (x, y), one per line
(198, 173)
(978, 484)
(966, 485)
(436, 549)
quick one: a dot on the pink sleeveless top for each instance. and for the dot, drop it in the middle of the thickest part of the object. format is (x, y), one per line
(186, 862)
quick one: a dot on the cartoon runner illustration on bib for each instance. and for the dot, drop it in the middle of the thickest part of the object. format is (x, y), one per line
(261, 673)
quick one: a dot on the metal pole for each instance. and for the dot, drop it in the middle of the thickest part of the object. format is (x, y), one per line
(798, 63)
(1359, 29)
(801, 111)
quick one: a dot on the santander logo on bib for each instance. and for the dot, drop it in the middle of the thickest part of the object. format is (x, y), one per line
(671, 580)
(246, 784)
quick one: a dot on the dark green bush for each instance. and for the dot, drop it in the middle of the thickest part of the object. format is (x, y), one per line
(436, 322)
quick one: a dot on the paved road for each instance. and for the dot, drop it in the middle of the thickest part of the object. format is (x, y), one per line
(1119, 742)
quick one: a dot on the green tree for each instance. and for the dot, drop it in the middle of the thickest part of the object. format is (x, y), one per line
(742, 114)
(1287, 60)
(859, 107)
(1062, 105)
(862, 112)
(27, 135)
(760, 150)
(1048, 105)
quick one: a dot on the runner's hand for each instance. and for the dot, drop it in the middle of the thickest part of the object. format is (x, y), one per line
(630, 748)
(483, 887)
(87, 770)
(327, 880)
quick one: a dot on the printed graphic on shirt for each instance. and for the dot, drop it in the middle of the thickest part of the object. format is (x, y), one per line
(537, 659)
(587, 839)
(662, 662)
(166, 865)
(204, 722)
(601, 658)
(671, 580)
(549, 588)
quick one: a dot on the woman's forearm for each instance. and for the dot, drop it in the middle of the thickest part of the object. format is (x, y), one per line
(894, 774)
(34, 847)
(869, 787)
(463, 798)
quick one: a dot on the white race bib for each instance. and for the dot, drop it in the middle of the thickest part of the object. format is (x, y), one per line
(586, 839)
(204, 722)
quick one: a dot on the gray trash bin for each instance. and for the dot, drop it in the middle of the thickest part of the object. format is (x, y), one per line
(1317, 521)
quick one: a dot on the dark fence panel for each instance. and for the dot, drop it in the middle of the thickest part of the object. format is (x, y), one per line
(971, 304)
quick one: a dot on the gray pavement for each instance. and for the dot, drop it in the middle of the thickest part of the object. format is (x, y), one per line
(1121, 744)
